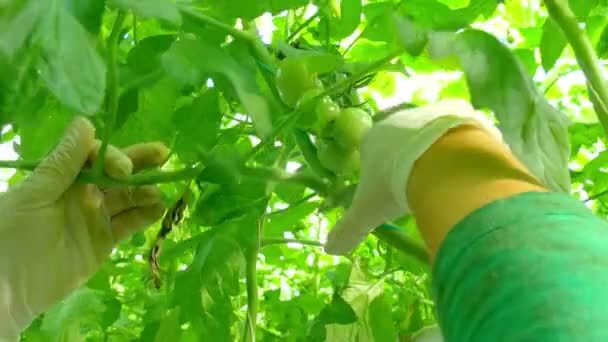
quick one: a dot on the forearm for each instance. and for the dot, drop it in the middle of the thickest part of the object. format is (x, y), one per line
(464, 170)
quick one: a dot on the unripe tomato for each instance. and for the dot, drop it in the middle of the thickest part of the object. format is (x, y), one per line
(309, 116)
(293, 79)
(350, 127)
(327, 111)
(338, 159)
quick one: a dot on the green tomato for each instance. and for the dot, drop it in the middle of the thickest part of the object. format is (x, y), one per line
(309, 116)
(351, 126)
(293, 79)
(327, 111)
(338, 159)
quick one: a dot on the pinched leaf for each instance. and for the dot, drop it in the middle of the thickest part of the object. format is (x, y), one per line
(536, 132)
(160, 9)
(193, 61)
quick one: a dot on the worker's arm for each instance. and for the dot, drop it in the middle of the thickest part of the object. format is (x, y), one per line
(464, 170)
(512, 260)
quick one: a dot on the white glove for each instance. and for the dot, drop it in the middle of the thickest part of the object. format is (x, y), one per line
(55, 232)
(388, 153)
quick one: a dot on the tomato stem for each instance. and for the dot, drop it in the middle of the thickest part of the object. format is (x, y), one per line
(111, 93)
(560, 11)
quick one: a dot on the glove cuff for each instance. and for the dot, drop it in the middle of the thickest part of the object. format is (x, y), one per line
(429, 123)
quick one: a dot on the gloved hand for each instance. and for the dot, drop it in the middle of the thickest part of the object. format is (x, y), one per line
(56, 232)
(388, 153)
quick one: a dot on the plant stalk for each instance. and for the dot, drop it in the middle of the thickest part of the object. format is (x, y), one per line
(111, 94)
(560, 11)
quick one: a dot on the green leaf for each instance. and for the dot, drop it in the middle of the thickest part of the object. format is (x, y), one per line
(67, 317)
(380, 22)
(526, 58)
(284, 220)
(602, 44)
(411, 35)
(152, 121)
(350, 17)
(183, 61)
(339, 276)
(251, 9)
(435, 15)
(41, 128)
(145, 57)
(552, 44)
(197, 125)
(112, 311)
(159, 9)
(338, 311)
(88, 12)
(380, 319)
(70, 65)
(18, 20)
(169, 329)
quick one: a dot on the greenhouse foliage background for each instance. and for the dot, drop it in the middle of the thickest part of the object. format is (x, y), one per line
(238, 256)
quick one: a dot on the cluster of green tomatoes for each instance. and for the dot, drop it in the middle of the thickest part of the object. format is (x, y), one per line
(339, 131)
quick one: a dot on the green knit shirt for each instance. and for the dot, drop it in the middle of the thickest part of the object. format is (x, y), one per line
(532, 267)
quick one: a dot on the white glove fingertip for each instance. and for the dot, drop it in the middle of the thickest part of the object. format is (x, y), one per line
(346, 235)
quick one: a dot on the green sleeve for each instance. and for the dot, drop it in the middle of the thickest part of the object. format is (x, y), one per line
(532, 267)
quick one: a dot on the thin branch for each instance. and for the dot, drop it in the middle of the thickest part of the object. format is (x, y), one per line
(112, 94)
(279, 175)
(596, 196)
(397, 238)
(296, 203)
(302, 26)
(383, 114)
(560, 11)
(276, 241)
(28, 165)
(309, 152)
(143, 80)
(251, 280)
(134, 24)
(203, 19)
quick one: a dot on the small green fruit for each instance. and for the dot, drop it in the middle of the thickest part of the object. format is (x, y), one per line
(337, 159)
(327, 111)
(350, 127)
(293, 79)
(308, 117)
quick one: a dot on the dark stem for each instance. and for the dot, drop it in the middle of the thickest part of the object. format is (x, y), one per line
(276, 241)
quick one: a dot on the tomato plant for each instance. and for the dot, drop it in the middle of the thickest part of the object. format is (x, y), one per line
(261, 179)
